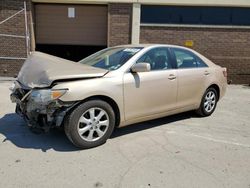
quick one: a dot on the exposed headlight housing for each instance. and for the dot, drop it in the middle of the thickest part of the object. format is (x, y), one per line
(47, 95)
(14, 86)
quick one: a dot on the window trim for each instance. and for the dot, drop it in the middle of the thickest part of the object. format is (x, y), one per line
(172, 61)
(190, 52)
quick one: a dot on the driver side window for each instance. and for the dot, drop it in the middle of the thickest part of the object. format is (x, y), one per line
(158, 58)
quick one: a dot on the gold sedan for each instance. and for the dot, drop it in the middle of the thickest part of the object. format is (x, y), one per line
(115, 87)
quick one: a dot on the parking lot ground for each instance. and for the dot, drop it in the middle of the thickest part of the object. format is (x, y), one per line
(177, 151)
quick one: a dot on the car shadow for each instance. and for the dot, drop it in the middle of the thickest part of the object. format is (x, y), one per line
(152, 124)
(16, 131)
(246, 86)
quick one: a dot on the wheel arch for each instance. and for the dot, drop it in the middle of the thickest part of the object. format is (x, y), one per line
(217, 88)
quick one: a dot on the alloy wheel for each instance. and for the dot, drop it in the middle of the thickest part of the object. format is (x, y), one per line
(210, 101)
(93, 124)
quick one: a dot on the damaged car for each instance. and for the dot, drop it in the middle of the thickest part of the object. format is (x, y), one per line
(115, 87)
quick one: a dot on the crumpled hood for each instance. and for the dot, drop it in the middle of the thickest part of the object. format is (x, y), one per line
(40, 70)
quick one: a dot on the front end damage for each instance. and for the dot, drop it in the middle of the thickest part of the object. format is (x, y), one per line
(36, 100)
(40, 115)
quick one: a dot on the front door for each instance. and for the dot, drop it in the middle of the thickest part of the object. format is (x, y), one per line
(154, 92)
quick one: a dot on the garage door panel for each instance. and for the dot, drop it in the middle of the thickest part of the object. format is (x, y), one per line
(89, 27)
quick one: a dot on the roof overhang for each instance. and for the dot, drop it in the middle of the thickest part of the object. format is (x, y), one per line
(232, 3)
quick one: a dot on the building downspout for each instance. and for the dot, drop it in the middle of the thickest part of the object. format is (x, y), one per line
(32, 34)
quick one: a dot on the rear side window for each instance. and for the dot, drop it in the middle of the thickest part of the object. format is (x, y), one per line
(186, 59)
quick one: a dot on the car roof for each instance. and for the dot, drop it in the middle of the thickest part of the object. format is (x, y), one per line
(210, 63)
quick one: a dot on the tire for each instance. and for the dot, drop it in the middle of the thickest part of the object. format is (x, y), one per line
(90, 124)
(210, 97)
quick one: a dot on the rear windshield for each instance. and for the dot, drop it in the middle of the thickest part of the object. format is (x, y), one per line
(111, 58)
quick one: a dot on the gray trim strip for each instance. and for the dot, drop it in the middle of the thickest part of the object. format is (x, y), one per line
(197, 26)
(14, 36)
(14, 58)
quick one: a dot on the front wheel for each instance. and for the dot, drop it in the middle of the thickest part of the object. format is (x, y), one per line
(90, 124)
(208, 102)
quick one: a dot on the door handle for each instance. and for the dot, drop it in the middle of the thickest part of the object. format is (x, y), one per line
(171, 77)
(206, 73)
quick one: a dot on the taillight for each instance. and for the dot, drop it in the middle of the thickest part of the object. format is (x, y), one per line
(225, 72)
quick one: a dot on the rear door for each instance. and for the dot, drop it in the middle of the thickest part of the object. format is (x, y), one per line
(192, 73)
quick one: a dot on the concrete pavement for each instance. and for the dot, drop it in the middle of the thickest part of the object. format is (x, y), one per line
(177, 151)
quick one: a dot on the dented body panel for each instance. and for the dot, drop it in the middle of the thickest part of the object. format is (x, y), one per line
(41, 69)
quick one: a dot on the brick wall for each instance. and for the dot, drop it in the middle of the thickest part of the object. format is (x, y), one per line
(12, 47)
(226, 47)
(119, 20)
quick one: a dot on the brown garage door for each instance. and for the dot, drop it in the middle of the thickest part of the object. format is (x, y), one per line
(87, 25)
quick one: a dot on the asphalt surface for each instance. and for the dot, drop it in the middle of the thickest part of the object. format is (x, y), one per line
(176, 151)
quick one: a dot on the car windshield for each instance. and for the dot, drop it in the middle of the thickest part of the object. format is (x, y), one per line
(111, 58)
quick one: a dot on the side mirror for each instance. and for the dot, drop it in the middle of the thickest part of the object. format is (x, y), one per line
(141, 67)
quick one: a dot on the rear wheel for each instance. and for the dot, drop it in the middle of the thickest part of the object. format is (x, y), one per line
(208, 102)
(90, 124)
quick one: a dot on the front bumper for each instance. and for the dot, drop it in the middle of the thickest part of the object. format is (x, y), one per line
(40, 115)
